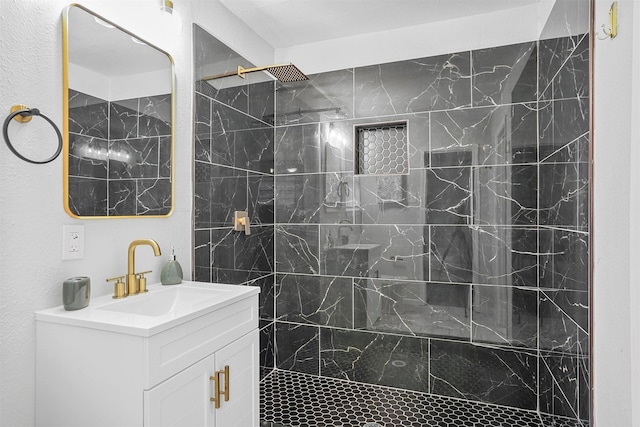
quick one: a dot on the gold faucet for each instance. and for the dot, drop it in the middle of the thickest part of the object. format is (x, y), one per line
(132, 279)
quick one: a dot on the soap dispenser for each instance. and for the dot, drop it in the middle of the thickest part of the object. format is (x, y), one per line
(172, 271)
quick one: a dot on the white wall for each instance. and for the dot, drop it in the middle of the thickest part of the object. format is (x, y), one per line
(510, 26)
(634, 232)
(31, 205)
(616, 249)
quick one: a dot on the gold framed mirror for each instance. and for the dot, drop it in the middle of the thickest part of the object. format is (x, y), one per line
(119, 110)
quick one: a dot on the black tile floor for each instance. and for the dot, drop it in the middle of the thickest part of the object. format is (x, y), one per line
(291, 399)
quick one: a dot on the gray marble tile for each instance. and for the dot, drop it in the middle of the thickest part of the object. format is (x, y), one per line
(202, 131)
(564, 260)
(134, 158)
(122, 197)
(324, 97)
(123, 118)
(440, 82)
(297, 149)
(483, 374)
(81, 161)
(553, 55)
(79, 204)
(261, 199)
(505, 74)
(298, 347)
(297, 198)
(253, 149)
(201, 250)
(218, 192)
(255, 252)
(484, 136)
(505, 315)
(297, 249)
(88, 115)
(267, 348)
(564, 195)
(153, 197)
(572, 81)
(562, 122)
(484, 255)
(506, 195)
(558, 392)
(375, 358)
(558, 331)
(155, 118)
(326, 301)
(374, 250)
(412, 308)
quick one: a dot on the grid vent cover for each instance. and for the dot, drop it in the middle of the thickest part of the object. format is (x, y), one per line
(382, 149)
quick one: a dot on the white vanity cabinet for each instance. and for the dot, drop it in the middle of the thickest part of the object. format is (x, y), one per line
(186, 398)
(122, 369)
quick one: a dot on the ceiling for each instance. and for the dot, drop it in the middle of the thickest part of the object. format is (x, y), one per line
(100, 46)
(284, 23)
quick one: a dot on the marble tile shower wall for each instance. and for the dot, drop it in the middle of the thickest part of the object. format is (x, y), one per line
(234, 171)
(233, 154)
(466, 277)
(120, 152)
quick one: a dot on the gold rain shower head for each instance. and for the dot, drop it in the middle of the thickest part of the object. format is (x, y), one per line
(283, 72)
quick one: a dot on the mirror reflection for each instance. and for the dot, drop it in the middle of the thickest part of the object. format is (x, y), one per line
(119, 115)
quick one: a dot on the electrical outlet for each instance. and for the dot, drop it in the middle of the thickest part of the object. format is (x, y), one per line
(72, 242)
(74, 238)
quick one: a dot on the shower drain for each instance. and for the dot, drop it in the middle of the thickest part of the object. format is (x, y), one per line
(398, 364)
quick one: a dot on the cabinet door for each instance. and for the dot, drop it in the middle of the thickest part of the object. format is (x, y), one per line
(183, 400)
(240, 408)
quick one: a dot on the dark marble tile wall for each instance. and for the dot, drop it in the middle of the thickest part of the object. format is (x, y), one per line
(233, 156)
(466, 277)
(120, 154)
(564, 226)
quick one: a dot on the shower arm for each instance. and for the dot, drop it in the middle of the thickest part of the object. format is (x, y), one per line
(242, 71)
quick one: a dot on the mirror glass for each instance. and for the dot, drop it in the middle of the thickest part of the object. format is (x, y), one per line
(119, 109)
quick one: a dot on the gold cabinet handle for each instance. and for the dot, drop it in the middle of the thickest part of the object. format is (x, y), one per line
(216, 389)
(216, 386)
(226, 383)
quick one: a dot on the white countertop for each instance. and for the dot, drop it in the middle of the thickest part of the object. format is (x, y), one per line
(166, 309)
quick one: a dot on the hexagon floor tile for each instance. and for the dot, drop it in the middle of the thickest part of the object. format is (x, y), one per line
(291, 399)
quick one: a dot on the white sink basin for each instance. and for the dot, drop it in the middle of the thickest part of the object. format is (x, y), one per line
(176, 299)
(146, 314)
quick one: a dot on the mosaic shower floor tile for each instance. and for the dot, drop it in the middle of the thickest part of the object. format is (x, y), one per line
(291, 399)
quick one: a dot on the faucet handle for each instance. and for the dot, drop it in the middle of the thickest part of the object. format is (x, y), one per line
(241, 222)
(118, 288)
(142, 281)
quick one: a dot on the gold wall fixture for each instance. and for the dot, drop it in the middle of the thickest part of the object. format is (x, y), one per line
(21, 118)
(241, 222)
(283, 72)
(612, 32)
